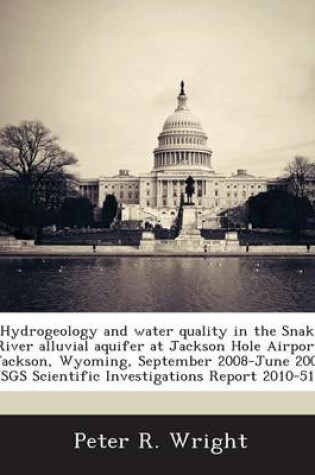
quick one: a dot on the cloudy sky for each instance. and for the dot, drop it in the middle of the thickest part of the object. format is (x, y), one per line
(104, 75)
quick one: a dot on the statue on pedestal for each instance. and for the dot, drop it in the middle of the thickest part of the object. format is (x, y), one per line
(190, 189)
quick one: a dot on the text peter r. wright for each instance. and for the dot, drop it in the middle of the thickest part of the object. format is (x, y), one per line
(177, 440)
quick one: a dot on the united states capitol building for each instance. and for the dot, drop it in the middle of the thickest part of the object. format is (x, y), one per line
(182, 151)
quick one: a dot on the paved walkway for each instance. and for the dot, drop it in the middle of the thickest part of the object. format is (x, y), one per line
(129, 251)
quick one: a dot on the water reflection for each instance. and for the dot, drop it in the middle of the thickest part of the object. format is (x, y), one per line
(157, 284)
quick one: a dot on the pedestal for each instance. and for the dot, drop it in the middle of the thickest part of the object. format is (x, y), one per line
(189, 227)
(147, 242)
(231, 241)
(189, 238)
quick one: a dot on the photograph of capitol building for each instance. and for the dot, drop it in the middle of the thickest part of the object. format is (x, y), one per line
(182, 151)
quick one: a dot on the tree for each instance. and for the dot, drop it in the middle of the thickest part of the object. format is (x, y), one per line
(279, 209)
(299, 172)
(109, 210)
(11, 202)
(42, 211)
(31, 155)
(76, 212)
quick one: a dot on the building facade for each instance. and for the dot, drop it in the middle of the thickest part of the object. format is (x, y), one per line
(182, 151)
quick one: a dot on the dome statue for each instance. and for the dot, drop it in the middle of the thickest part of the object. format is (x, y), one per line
(182, 142)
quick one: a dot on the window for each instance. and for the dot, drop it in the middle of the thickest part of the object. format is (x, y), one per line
(228, 195)
(148, 192)
(235, 194)
(216, 193)
(130, 187)
(121, 194)
(113, 186)
(148, 203)
(129, 194)
(164, 202)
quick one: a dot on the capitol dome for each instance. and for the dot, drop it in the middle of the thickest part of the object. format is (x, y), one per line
(182, 119)
(182, 142)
